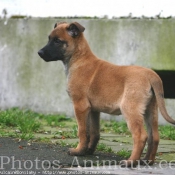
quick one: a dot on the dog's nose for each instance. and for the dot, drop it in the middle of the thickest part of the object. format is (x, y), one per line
(41, 53)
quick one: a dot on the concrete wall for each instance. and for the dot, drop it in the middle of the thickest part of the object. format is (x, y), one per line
(27, 81)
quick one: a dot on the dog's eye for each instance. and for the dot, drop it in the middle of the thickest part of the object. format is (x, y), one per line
(57, 41)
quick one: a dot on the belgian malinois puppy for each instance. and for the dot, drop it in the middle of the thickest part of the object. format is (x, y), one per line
(95, 86)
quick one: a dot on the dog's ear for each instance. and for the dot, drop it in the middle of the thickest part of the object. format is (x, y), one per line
(58, 23)
(55, 25)
(74, 29)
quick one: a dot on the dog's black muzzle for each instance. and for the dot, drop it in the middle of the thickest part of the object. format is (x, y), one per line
(43, 55)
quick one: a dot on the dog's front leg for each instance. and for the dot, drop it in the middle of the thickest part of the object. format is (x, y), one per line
(82, 109)
(94, 131)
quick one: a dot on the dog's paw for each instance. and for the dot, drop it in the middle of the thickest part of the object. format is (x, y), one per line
(76, 152)
(69, 152)
(90, 151)
(146, 162)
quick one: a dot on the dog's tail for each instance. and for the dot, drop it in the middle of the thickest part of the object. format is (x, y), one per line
(157, 86)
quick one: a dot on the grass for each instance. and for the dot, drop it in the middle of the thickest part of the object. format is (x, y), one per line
(71, 133)
(124, 153)
(64, 143)
(167, 132)
(56, 120)
(104, 148)
(116, 127)
(25, 123)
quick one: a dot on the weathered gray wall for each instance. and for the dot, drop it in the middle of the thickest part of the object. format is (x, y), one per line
(27, 81)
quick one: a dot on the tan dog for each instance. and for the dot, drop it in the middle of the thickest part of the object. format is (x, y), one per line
(95, 86)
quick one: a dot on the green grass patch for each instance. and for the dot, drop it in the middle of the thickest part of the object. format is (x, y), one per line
(116, 127)
(71, 133)
(64, 143)
(104, 148)
(56, 120)
(167, 132)
(124, 153)
(6, 133)
(26, 123)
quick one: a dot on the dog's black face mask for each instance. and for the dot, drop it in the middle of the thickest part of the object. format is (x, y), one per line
(54, 50)
(58, 49)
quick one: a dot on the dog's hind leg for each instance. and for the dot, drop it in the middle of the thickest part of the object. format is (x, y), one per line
(135, 122)
(94, 131)
(151, 121)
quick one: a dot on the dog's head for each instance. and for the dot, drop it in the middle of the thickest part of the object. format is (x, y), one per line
(62, 41)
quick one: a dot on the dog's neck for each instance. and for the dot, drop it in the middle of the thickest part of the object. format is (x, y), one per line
(81, 52)
(66, 64)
